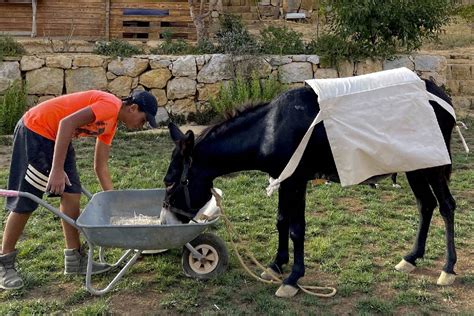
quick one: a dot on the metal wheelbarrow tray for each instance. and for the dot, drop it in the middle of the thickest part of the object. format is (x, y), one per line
(204, 256)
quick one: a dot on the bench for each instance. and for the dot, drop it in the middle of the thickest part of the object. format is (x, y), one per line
(296, 16)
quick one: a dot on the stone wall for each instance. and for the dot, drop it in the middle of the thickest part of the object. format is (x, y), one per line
(183, 84)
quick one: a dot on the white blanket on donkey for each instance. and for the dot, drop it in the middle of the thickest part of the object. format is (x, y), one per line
(376, 124)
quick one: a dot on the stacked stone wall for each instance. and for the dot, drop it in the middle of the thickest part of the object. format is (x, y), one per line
(184, 84)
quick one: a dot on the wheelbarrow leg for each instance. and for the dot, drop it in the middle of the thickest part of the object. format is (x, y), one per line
(195, 253)
(119, 275)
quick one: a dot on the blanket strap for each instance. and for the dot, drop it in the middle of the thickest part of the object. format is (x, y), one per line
(295, 158)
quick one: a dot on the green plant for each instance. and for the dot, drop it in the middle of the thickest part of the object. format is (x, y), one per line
(383, 28)
(204, 117)
(117, 48)
(172, 47)
(466, 12)
(205, 46)
(10, 47)
(12, 107)
(281, 41)
(234, 38)
(242, 91)
(331, 48)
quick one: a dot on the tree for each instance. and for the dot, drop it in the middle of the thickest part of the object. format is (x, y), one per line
(200, 10)
(381, 28)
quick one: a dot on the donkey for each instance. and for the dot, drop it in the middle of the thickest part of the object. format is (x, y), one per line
(264, 138)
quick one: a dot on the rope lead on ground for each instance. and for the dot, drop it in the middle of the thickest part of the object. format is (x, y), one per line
(330, 291)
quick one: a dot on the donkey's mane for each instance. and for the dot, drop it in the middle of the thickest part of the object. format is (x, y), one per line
(231, 115)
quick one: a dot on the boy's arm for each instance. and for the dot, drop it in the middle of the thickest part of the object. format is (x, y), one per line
(67, 127)
(101, 168)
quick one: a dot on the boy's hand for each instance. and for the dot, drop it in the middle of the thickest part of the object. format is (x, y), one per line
(57, 182)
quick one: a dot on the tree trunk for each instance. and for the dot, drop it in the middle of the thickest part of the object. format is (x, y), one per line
(199, 19)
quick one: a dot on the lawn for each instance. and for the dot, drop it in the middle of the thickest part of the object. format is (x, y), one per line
(355, 236)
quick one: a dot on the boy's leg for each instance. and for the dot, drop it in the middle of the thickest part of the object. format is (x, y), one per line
(9, 278)
(75, 260)
(13, 229)
(70, 206)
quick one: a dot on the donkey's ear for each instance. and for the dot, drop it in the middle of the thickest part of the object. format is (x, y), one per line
(175, 132)
(187, 144)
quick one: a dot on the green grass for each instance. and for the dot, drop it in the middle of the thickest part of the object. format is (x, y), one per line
(354, 238)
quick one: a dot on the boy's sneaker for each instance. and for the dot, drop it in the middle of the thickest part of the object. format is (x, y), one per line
(75, 262)
(9, 278)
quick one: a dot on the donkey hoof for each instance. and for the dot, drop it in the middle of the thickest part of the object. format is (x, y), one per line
(286, 291)
(270, 275)
(405, 266)
(446, 279)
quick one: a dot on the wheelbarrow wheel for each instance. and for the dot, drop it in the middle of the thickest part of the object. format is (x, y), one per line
(215, 261)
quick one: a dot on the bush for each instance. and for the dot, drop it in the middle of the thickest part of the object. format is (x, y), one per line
(205, 46)
(204, 117)
(281, 41)
(234, 38)
(466, 12)
(12, 107)
(332, 49)
(383, 28)
(170, 47)
(117, 48)
(10, 47)
(243, 91)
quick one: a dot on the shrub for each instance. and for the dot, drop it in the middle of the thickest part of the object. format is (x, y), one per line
(281, 41)
(117, 48)
(171, 47)
(466, 12)
(205, 46)
(243, 91)
(383, 28)
(233, 37)
(10, 47)
(12, 106)
(203, 117)
(332, 49)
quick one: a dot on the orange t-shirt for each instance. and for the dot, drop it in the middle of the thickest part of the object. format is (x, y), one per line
(44, 118)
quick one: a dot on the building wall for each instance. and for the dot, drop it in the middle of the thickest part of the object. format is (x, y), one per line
(56, 18)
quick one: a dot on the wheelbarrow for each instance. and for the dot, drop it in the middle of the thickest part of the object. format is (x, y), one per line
(204, 254)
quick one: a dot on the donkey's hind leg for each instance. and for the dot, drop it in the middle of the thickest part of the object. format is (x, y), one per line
(447, 205)
(426, 202)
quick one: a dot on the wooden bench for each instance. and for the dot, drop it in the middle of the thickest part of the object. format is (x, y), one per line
(33, 7)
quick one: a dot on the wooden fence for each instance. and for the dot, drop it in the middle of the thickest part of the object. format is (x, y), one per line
(97, 19)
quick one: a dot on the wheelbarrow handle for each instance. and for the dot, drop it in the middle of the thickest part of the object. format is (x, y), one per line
(57, 212)
(9, 193)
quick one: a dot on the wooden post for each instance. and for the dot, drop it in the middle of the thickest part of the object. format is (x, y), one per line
(33, 25)
(107, 20)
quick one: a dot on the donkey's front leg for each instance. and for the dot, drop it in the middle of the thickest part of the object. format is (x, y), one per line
(275, 269)
(292, 202)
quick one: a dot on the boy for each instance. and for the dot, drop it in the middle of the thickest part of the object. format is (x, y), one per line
(43, 160)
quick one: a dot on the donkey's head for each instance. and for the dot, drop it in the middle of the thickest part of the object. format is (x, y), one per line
(187, 186)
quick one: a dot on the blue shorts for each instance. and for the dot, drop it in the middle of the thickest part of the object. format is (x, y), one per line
(31, 163)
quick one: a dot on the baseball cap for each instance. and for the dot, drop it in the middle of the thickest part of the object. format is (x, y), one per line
(146, 103)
